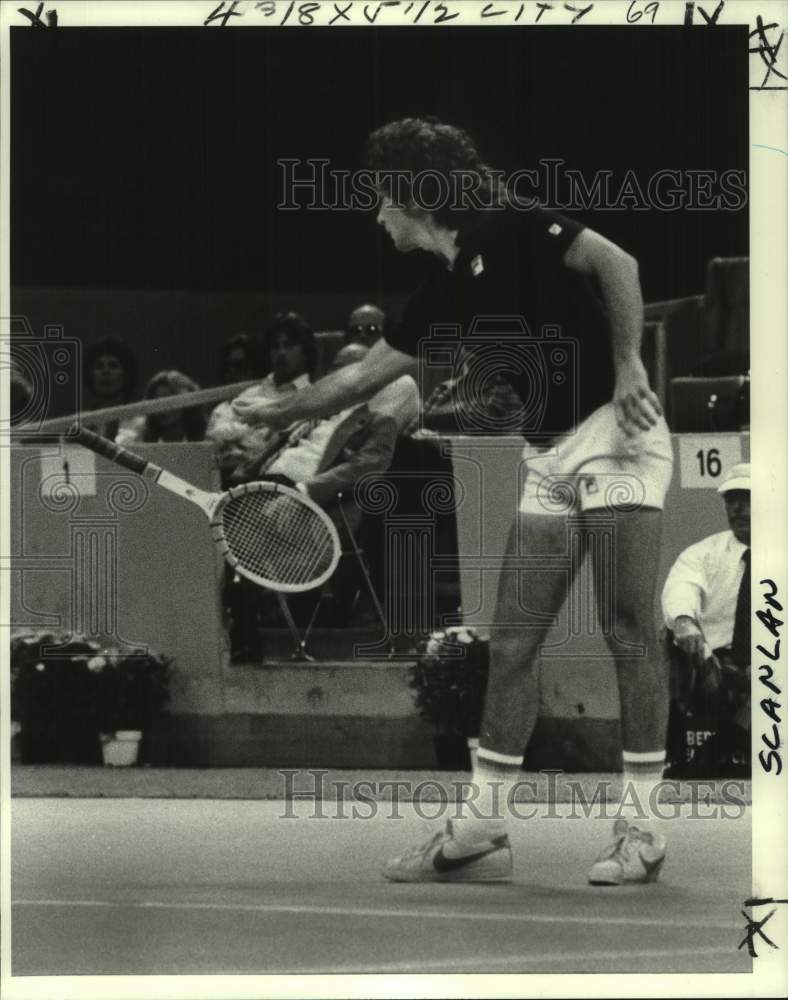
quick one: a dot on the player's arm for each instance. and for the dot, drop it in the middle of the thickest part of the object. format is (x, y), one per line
(345, 387)
(616, 272)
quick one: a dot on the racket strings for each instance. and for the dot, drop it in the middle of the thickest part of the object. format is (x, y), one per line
(277, 538)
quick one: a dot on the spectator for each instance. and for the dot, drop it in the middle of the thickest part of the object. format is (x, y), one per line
(326, 457)
(290, 351)
(321, 458)
(187, 424)
(109, 377)
(239, 359)
(365, 325)
(21, 389)
(706, 607)
(400, 398)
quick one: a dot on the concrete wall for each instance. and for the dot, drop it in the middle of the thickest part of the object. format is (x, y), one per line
(163, 591)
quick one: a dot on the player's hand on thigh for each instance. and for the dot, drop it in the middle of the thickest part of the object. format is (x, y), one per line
(637, 406)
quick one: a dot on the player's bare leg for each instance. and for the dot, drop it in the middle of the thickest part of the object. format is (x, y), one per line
(625, 600)
(476, 847)
(529, 599)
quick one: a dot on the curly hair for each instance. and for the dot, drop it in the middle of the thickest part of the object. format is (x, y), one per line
(118, 348)
(193, 418)
(419, 145)
(297, 328)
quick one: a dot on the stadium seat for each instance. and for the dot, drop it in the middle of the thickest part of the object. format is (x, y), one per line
(699, 405)
(327, 343)
(726, 310)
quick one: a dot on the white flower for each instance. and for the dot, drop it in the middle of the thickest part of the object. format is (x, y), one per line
(96, 663)
(461, 634)
(434, 644)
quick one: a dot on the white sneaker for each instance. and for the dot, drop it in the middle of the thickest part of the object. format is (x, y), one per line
(636, 855)
(446, 858)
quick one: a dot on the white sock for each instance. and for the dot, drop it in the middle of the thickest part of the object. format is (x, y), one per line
(485, 810)
(642, 776)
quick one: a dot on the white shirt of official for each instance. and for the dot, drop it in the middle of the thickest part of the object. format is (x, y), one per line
(703, 583)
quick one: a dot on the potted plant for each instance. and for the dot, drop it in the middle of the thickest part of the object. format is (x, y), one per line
(53, 698)
(450, 679)
(133, 690)
(78, 701)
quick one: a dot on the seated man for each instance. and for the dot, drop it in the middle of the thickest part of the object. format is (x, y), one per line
(326, 457)
(400, 398)
(365, 325)
(290, 352)
(706, 607)
(322, 458)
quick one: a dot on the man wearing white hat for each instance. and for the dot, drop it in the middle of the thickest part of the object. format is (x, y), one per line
(706, 603)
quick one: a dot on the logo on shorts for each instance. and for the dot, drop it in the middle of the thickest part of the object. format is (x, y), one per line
(477, 265)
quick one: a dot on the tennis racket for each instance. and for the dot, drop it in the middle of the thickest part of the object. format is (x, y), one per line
(271, 534)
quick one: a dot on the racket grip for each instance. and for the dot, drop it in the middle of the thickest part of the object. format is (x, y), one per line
(103, 446)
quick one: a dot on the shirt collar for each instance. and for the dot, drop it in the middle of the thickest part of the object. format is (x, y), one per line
(735, 546)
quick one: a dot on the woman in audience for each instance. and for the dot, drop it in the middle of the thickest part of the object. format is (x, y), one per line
(109, 377)
(187, 424)
(239, 361)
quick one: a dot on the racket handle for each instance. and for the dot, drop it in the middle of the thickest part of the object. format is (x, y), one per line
(103, 446)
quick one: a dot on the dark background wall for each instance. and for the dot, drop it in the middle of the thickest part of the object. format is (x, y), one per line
(144, 177)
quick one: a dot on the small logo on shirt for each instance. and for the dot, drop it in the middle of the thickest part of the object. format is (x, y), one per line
(555, 229)
(477, 265)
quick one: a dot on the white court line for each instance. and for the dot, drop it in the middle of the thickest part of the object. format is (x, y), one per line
(514, 963)
(399, 914)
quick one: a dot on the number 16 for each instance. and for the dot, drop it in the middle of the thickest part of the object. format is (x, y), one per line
(709, 462)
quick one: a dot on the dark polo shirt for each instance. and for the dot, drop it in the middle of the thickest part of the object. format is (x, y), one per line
(520, 314)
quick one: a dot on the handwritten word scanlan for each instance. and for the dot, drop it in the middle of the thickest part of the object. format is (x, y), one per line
(770, 757)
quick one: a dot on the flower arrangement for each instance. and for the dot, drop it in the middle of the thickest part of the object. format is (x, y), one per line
(450, 678)
(66, 690)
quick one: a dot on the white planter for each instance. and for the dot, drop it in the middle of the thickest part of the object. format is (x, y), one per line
(121, 749)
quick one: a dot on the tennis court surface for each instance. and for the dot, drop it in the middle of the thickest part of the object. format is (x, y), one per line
(178, 886)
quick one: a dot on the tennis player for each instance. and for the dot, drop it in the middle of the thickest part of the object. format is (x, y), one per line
(553, 272)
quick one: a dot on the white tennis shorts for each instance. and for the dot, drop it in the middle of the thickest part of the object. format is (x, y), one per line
(596, 465)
